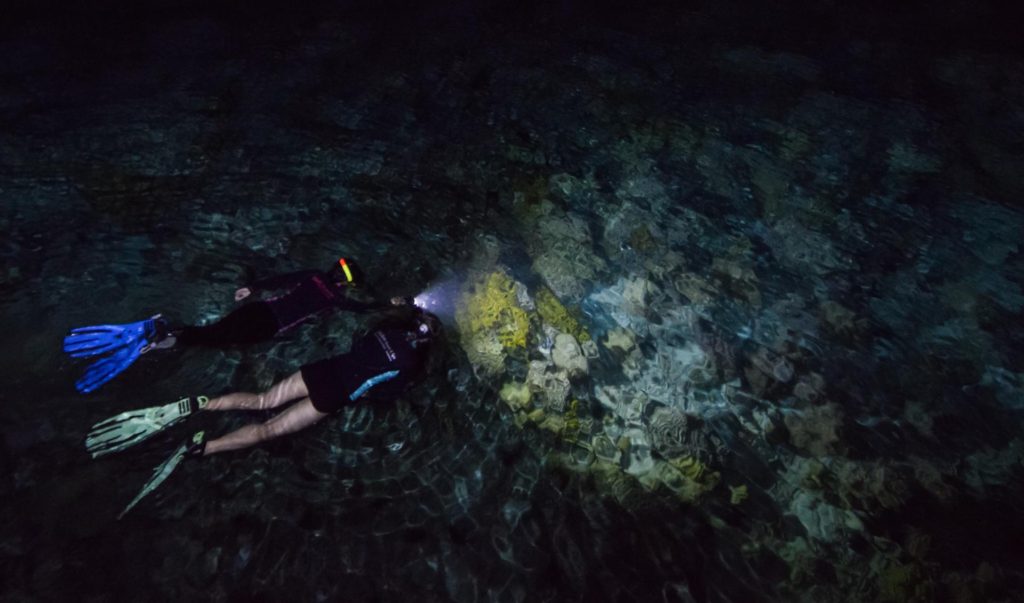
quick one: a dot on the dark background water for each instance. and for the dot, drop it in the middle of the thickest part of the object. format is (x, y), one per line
(153, 158)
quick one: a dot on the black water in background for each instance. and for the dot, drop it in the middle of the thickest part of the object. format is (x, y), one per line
(154, 159)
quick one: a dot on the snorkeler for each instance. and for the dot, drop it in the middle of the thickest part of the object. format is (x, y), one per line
(308, 293)
(380, 366)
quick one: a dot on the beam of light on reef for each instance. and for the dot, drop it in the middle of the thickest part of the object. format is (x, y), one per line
(439, 298)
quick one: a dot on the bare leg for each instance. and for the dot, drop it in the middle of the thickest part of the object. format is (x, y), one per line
(298, 416)
(286, 390)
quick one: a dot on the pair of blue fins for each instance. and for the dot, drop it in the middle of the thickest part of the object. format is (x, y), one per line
(120, 346)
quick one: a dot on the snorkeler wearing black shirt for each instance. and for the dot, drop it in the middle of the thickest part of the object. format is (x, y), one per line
(306, 294)
(380, 366)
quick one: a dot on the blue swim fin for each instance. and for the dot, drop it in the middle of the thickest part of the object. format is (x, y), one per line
(105, 369)
(83, 342)
(127, 342)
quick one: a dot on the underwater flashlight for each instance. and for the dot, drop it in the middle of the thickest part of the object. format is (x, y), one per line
(424, 301)
(439, 298)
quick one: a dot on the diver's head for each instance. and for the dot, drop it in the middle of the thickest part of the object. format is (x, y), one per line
(347, 272)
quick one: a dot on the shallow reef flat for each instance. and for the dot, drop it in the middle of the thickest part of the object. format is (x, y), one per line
(730, 316)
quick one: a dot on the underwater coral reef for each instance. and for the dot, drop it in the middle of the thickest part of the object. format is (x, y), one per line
(734, 315)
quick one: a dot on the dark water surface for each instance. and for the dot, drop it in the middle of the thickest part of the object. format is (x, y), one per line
(792, 238)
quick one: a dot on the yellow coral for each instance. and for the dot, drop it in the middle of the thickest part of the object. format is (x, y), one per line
(572, 422)
(693, 478)
(558, 316)
(676, 476)
(689, 466)
(553, 423)
(516, 395)
(490, 305)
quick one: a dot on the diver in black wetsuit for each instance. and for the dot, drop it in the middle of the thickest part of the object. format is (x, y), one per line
(307, 294)
(379, 366)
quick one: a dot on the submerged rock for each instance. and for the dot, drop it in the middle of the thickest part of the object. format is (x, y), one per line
(629, 232)
(773, 365)
(560, 244)
(605, 449)
(628, 314)
(809, 388)
(823, 521)
(815, 429)
(516, 395)
(549, 385)
(620, 339)
(568, 356)
(637, 460)
(871, 486)
(802, 249)
(669, 428)
(695, 288)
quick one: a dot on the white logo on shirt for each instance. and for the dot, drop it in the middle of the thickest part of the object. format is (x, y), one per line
(384, 343)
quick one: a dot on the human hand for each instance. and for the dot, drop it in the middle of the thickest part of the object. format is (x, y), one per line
(242, 293)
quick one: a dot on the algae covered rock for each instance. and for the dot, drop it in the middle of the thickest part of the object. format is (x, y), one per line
(738, 494)
(516, 395)
(491, 321)
(686, 477)
(554, 313)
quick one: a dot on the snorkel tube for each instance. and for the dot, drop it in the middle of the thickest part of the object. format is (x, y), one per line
(346, 270)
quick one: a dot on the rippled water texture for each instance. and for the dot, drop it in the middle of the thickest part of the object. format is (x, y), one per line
(791, 368)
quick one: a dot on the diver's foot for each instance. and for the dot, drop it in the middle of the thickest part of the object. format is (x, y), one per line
(197, 446)
(166, 343)
(160, 336)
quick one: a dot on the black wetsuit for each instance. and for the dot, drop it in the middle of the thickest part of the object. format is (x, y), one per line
(380, 366)
(309, 293)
